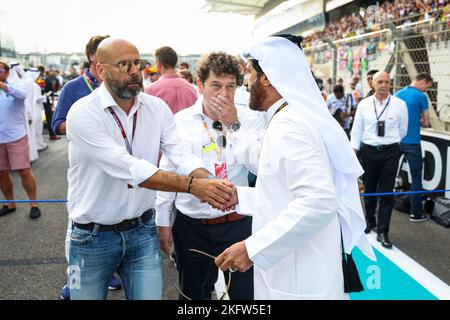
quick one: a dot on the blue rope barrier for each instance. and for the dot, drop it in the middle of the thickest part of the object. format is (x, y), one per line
(379, 194)
(398, 193)
(35, 201)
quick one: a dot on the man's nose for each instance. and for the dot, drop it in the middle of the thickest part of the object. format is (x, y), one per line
(134, 69)
(223, 91)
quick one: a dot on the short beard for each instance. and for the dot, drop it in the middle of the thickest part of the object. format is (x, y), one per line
(257, 96)
(120, 89)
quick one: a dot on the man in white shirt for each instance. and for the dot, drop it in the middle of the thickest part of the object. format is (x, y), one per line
(307, 184)
(206, 127)
(115, 135)
(381, 121)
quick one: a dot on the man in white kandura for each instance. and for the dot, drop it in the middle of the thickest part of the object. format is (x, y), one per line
(307, 188)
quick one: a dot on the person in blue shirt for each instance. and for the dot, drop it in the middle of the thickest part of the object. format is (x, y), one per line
(78, 87)
(417, 103)
(72, 92)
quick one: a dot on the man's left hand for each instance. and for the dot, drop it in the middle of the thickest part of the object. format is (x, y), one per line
(234, 257)
(225, 110)
(165, 239)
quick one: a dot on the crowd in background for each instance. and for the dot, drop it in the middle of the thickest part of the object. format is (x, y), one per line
(376, 17)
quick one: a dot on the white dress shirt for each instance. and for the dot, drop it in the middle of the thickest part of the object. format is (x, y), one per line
(365, 124)
(190, 124)
(100, 167)
(295, 229)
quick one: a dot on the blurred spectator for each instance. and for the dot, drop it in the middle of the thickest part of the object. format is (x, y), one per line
(369, 81)
(417, 104)
(52, 86)
(356, 89)
(14, 147)
(186, 75)
(184, 65)
(85, 65)
(342, 107)
(154, 74)
(174, 90)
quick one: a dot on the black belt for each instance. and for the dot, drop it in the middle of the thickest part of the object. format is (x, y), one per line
(125, 225)
(380, 147)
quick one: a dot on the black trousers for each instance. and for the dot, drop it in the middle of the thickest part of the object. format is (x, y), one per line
(48, 118)
(194, 269)
(380, 168)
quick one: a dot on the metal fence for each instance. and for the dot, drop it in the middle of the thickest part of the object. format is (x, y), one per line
(402, 50)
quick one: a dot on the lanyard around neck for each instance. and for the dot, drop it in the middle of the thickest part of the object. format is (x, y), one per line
(375, 107)
(88, 81)
(279, 109)
(205, 125)
(122, 130)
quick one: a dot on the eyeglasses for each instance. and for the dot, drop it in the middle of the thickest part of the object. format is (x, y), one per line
(221, 140)
(230, 271)
(125, 65)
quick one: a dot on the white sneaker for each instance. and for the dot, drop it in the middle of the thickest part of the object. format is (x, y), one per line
(420, 218)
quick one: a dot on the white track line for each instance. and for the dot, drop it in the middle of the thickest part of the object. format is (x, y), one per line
(424, 277)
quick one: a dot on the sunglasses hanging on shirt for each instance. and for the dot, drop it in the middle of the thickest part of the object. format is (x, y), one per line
(221, 141)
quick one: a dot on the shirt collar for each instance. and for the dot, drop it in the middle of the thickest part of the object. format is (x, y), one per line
(197, 108)
(106, 100)
(412, 87)
(92, 78)
(382, 102)
(273, 108)
(170, 75)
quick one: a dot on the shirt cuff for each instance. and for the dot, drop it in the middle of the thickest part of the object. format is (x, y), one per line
(245, 196)
(250, 245)
(187, 167)
(355, 145)
(55, 125)
(141, 170)
(17, 92)
(162, 218)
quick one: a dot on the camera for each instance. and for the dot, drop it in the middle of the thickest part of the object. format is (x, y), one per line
(380, 128)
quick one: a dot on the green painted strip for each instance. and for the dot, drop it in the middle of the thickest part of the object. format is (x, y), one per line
(384, 280)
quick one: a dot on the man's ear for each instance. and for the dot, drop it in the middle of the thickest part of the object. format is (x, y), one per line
(264, 81)
(200, 86)
(100, 71)
(158, 65)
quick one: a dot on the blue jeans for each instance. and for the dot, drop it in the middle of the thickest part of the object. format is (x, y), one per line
(134, 254)
(413, 154)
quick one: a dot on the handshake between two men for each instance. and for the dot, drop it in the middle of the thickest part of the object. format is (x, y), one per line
(219, 193)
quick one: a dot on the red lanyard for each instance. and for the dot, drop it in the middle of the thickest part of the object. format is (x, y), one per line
(122, 130)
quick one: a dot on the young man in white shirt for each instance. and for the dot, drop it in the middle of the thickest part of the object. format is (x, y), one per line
(115, 135)
(207, 127)
(381, 122)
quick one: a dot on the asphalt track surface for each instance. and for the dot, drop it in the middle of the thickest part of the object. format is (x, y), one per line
(33, 265)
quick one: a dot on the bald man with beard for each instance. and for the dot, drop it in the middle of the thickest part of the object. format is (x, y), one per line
(115, 135)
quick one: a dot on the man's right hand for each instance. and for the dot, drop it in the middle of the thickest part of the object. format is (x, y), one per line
(3, 86)
(218, 193)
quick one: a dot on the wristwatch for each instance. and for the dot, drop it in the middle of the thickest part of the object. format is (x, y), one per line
(235, 126)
